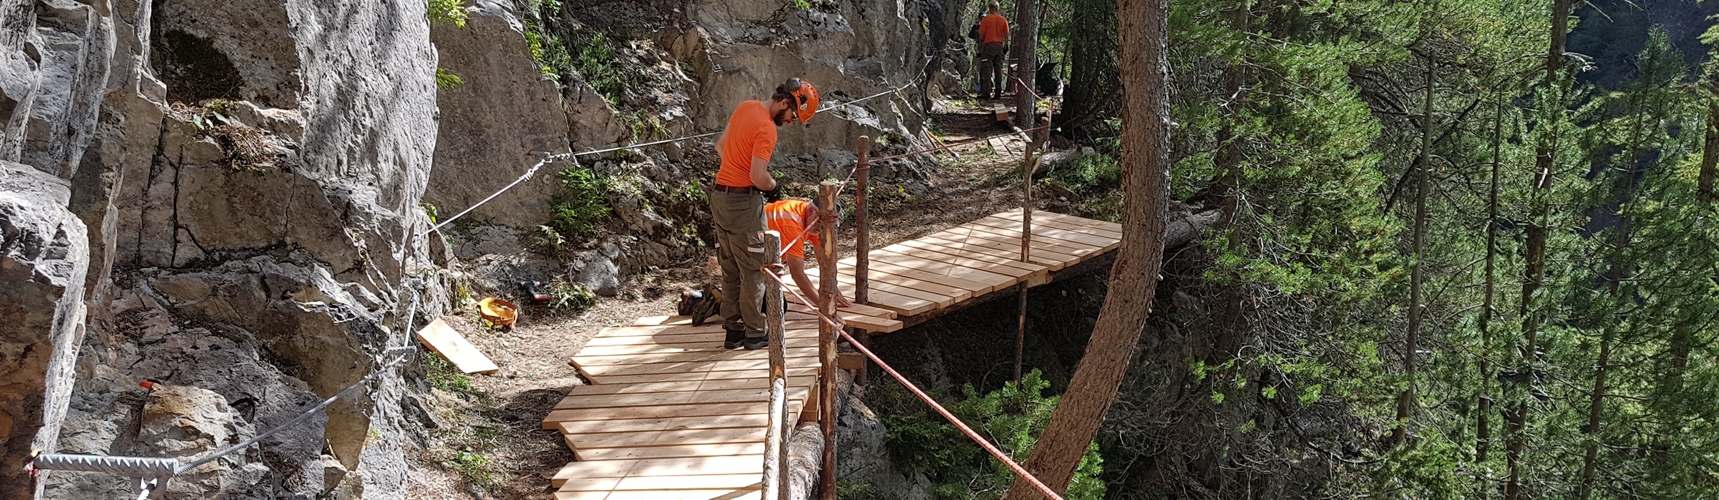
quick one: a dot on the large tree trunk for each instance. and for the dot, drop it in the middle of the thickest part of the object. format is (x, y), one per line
(1536, 262)
(1026, 43)
(1143, 27)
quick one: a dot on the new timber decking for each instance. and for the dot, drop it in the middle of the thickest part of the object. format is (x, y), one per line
(671, 414)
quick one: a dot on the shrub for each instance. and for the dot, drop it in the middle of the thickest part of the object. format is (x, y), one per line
(447, 11)
(583, 205)
(919, 440)
(569, 297)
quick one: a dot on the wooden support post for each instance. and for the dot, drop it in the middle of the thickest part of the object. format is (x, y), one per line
(827, 339)
(1029, 166)
(776, 432)
(862, 225)
(862, 237)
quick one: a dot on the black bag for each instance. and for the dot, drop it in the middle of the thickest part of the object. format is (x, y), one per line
(973, 33)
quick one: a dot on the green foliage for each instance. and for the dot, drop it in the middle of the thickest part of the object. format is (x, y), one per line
(582, 205)
(920, 440)
(447, 12)
(847, 489)
(568, 297)
(802, 4)
(1086, 175)
(443, 375)
(447, 79)
(430, 211)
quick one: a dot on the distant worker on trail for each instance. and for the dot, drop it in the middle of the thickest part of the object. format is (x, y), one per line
(993, 49)
(790, 218)
(743, 183)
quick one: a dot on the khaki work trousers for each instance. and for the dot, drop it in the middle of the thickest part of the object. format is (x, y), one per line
(993, 61)
(739, 218)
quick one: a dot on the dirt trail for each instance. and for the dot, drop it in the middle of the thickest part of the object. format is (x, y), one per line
(491, 430)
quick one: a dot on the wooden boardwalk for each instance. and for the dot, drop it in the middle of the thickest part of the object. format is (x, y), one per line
(671, 414)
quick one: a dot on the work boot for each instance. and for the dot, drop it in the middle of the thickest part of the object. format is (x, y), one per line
(733, 339)
(756, 343)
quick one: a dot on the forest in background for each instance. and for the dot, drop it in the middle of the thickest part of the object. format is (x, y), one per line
(1469, 249)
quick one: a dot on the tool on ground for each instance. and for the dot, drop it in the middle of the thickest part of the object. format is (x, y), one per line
(700, 305)
(532, 292)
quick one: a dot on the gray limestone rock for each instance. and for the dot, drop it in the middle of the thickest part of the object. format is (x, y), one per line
(43, 257)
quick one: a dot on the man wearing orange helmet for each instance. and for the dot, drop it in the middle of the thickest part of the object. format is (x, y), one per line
(743, 184)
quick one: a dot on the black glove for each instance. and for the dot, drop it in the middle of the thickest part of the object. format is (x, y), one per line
(773, 195)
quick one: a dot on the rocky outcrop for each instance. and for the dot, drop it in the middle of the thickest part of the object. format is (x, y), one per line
(248, 174)
(860, 454)
(43, 258)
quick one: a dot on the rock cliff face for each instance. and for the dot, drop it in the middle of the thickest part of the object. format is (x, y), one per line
(233, 188)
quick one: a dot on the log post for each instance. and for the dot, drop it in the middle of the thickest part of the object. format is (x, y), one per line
(827, 338)
(776, 432)
(1029, 166)
(862, 225)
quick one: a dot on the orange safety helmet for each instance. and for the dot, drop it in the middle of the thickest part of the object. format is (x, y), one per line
(806, 94)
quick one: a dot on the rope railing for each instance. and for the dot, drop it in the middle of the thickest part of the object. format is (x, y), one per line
(840, 328)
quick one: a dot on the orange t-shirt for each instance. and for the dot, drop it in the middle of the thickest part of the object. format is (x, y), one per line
(994, 29)
(750, 134)
(787, 217)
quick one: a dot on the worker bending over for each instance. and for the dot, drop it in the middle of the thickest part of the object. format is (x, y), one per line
(743, 182)
(790, 218)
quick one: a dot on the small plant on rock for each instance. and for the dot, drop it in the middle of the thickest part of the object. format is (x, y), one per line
(582, 206)
(568, 297)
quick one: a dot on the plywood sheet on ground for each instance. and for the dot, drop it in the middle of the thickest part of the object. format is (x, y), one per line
(454, 347)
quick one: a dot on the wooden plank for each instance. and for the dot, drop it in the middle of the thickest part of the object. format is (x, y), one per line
(599, 401)
(663, 495)
(738, 435)
(885, 281)
(1001, 250)
(691, 450)
(793, 371)
(1052, 231)
(1079, 251)
(714, 353)
(658, 368)
(868, 323)
(1014, 269)
(683, 386)
(702, 339)
(667, 467)
(929, 267)
(688, 482)
(883, 268)
(661, 424)
(667, 411)
(854, 310)
(907, 306)
(445, 341)
(847, 282)
(1070, 220)
(1050, 258)
(969, 234)
(1057, 221)
(655, 348)
(669, 331)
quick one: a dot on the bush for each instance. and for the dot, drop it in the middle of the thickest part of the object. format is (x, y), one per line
(583, 205)
(919, 440)
(569, 297)
(1087, 175)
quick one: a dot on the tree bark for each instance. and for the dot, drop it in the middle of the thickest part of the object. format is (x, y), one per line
(1544, 156)
(1025, 38)
(1231, 319)
(1483, 403)
(1143, 28)
(1710, 154)
(1406, 398)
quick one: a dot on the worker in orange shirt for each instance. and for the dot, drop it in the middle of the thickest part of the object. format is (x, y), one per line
(993, 49)
(789, 218)
(743, 184)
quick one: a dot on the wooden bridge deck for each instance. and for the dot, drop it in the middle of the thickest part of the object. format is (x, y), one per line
(673, 415)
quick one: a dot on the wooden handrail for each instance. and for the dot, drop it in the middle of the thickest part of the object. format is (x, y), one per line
(776, 430)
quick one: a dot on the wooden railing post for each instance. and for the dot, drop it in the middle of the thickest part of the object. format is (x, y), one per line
(862, 225)
(776, 432)
(827, 338)
(1029, 166)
